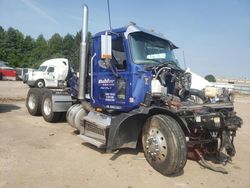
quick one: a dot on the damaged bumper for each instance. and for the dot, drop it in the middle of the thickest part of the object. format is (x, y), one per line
(212, 128)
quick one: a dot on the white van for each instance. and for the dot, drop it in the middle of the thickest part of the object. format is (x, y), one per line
(51, 74)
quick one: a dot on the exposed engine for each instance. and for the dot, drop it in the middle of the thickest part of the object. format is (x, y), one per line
(175, 80)
(211, 126)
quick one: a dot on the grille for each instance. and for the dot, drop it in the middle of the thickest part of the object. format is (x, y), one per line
(94, 129)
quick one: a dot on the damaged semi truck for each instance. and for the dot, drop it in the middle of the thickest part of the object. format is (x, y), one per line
(131, 90)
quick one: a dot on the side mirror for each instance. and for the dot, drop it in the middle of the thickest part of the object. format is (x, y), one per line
(106, 47)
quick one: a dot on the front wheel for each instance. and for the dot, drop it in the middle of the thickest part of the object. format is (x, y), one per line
(40, 83)
(164, 144)
(47, 109)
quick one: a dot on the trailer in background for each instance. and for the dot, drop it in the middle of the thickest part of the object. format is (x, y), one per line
(6, 72)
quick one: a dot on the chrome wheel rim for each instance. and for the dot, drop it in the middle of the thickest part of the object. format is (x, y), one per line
(32, 101)
(47, 106)
(40, 84)
(156, 145)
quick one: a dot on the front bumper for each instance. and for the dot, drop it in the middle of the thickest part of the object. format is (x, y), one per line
(27, 81)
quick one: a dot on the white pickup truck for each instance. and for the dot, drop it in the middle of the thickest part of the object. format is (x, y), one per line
(52, 73)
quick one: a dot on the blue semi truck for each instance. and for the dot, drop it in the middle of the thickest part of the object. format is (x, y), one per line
(131, 90)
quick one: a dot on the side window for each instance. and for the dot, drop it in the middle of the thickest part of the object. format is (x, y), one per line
(118, 53)
(51, 69)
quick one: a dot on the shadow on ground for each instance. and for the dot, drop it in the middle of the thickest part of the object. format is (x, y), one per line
(8, 107)
(116, 153)
(125, 151)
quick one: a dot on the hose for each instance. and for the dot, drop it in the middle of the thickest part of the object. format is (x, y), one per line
(208, 165)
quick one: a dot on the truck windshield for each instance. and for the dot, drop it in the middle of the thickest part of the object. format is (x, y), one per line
(42, 68)
(149, 49)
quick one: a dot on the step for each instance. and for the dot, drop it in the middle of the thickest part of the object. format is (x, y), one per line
(92, 141)
(102, 121)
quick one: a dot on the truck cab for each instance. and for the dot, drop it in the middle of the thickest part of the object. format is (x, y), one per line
(124, 82)
(138, 94)
(51, 74)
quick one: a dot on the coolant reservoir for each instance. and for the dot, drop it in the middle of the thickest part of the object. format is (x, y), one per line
(212, 92)
(157, 88)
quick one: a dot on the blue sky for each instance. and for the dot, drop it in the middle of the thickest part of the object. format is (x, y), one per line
(214, 34)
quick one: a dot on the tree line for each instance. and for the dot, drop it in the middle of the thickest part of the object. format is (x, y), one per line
(26, 52)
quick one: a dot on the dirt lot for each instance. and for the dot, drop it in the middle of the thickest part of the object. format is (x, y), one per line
(34, 153)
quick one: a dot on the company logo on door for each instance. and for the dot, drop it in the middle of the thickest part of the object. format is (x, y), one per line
(106, 81)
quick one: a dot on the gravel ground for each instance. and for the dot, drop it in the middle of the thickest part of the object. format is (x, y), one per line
(34, 153)
(13, 91)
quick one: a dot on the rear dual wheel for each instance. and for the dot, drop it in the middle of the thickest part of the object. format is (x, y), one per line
(33, 101)
(47, 108)
(164, 144)
(39, 102)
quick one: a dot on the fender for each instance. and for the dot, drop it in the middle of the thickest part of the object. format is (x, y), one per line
(61, 99)
(125, 128)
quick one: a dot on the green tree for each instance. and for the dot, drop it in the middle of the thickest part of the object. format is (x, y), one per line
(2, 38)
(40, 52)
(24, 51)
(28, 46)
(68, 47)
(76, 56)
(55, 46)
(13, 44)
(210, 78)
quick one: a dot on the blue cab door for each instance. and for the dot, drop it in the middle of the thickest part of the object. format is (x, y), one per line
(112, 85)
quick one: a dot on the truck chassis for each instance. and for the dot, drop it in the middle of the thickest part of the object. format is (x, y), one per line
(149, 101)
(170, 133)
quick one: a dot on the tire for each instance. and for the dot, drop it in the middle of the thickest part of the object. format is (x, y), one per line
(47, 108)
(33, 101)
(40, 83)
(164, 144)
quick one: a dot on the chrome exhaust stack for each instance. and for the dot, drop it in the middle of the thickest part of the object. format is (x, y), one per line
(83, 54)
